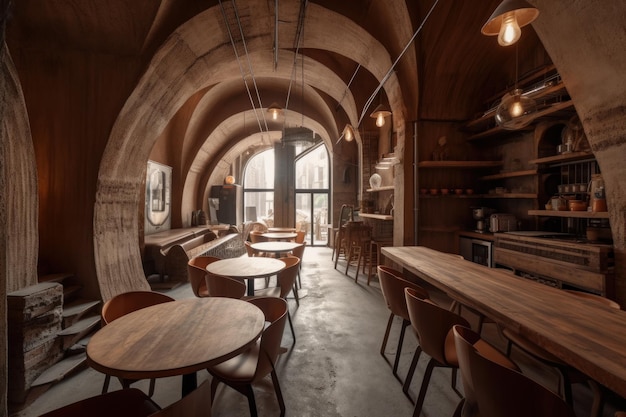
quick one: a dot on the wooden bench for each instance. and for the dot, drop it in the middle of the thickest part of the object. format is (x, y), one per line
(229, 246)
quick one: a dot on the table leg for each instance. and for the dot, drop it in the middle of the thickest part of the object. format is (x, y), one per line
(250, 287)
(190, 383)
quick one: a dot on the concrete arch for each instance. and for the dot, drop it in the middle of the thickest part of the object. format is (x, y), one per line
(185, 64)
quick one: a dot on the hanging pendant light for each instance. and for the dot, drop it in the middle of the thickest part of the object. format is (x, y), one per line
(508, 19)
(515, 110)
(379, 113)
(274, 110)
(348, 133)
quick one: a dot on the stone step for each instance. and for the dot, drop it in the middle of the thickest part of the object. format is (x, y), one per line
(61, 369)
(82, 328)
(76, 309)
(69, 292)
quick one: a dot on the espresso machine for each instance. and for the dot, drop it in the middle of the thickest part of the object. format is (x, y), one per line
(481, 215)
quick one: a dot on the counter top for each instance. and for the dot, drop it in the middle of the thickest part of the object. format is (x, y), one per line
(477, 235)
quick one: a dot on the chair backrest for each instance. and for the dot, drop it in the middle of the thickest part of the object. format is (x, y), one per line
(287, 276)
(256, 236)
(249, 250)
(120, 403)
(196, 403)
(501, 391)
(466, 340)
(222, 286)
(196, 271)
(128, 302)
(300, 235)
(433, 325)
(392, 285)
(299, 251)
(345, 214)
(275, 311)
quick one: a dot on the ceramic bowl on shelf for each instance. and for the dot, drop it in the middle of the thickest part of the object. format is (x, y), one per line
(433, 191)
(423, 190)
(577, 205)
(458, 191)
(469, 191)
(444, 191)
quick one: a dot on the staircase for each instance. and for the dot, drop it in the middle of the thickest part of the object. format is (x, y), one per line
(80, 319)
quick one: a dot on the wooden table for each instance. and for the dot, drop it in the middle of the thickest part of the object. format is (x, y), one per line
(175, 338)
(277, 236)
(245, 267)
(588, 336)
(277, 248)
(281, 229)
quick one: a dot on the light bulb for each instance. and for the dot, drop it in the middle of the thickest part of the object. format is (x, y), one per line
(274, 114)
(349, 134)
(510, 31)
(380, 120)
(516, 109)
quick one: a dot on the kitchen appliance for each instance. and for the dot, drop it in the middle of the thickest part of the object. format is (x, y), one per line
(502, 222)
(480, 214)
(479, 251)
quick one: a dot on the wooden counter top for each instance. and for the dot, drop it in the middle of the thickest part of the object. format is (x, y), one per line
(588, 336)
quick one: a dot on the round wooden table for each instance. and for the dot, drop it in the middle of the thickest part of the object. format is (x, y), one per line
(281, 229)
(175, 338)
(278, 236)
(277, 248)
(249, 268)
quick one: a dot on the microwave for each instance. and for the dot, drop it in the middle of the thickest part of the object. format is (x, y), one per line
(479, 251)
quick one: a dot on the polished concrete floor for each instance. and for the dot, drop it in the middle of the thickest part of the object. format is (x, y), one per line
(335, 367)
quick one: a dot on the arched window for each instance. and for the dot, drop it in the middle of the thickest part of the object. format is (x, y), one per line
(259, 187)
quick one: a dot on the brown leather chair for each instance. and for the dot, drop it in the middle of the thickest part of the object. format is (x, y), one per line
(257, 362)
(568, 375)
(299, 253)
(123, 304)
(392, 285)
(499, 390)
(196, 271)
(465, 340)
(433, 325)
(222, 286)
(286, 284)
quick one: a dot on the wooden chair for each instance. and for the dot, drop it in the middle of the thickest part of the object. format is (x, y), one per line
(130, 402)
(433, 325)
(358, 237)
(502, 391)
(465, 340)
(568, 375)
(300, 236)
(345, 214)
(257, 236)
(196, 271)
(286, 284)
(123, 304)
(299, 253)
(256, 363)
(392, 285)
(222, 286)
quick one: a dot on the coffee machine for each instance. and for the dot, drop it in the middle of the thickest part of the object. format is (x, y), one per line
(481, 214)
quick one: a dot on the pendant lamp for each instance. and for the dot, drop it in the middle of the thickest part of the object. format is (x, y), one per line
(508, 19)
(379, 113)
(348, 133)
(274, 110)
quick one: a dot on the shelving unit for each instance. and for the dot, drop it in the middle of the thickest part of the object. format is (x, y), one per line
(383, 188)
(570, 214)
(459, 164)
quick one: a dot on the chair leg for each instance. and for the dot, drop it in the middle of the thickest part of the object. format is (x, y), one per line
(105, 386)
(598, 399)
(405, 323)
(294, 289)
(151, 388)
(249, 392)
(386, 337)
(411, 372)
(422, 395)
(291, 326)
(279, 393)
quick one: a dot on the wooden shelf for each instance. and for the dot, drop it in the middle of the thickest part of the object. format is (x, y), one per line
(568, 157)
(383, 188)
(439, 229)
(512, 195)
(376, 216)
(570, 214)
(460, 164)
(510, 174)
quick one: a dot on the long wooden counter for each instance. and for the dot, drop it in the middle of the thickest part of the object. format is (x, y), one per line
(588, 336)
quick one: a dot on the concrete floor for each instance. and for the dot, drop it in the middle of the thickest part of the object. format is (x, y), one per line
(335, 368)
